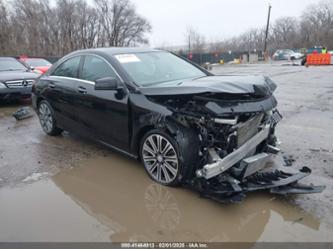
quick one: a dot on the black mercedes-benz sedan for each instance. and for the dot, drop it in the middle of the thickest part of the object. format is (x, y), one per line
(213, 134)
(15, 79)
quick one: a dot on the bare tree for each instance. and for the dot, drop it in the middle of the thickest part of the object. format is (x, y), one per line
(37, 27)
(4, 29)
(285, 32)
(216, 46)
(121, 24)
(315, 27)
(317, 24)
(195, 41)
(251, 40)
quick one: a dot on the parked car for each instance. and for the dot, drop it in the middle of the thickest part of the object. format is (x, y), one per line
(287, 54)
(315, 49)
(39, 64)
(15, 79)
(207, 66)
(187, 126)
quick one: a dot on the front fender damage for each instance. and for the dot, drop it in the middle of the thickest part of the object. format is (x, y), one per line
(235, 146)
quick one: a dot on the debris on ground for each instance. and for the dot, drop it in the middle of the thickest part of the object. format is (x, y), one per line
(288, 160)
(23, 113)
(35, 177)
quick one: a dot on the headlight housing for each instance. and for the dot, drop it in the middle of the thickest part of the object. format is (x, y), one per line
(2, 85)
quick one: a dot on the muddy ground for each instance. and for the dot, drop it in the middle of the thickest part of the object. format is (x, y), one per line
(70, 189)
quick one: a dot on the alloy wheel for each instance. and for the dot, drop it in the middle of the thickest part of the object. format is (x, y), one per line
(45, 117)
(160, 158)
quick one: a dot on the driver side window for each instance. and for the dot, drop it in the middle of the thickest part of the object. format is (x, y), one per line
(95, 68)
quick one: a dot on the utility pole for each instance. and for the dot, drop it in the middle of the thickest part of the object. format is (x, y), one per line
(189, 44)
(267, 27)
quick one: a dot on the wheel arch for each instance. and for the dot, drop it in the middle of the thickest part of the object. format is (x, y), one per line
(185, 137)
(137, 140)
(39, 99)
(167, 126)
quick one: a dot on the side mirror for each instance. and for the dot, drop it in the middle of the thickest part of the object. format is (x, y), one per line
(32, 68)
(108, 83)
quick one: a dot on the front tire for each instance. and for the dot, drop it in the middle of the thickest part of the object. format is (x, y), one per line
(47, 119)
(159, 153)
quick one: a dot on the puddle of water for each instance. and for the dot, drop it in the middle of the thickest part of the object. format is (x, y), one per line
(41, 212)
(7, 110)
(112, 198)
(25, 149)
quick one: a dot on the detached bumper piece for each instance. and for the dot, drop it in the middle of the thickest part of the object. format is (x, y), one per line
(229, 189)
(23, 113)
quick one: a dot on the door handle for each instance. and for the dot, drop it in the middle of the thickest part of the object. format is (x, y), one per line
(82, 90)
(52, 85)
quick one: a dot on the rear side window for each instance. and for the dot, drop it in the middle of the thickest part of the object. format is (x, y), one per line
(95, 68)
(68, 68)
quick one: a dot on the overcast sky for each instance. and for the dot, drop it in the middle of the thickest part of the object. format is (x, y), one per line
(215, 19)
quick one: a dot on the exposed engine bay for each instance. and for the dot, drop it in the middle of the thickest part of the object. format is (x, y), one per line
(236, 133)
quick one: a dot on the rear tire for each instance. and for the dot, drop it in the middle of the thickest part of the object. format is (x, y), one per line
(47, 119)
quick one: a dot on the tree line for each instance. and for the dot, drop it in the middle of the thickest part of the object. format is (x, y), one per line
(314, 27)
(41, 27)
(57, 27)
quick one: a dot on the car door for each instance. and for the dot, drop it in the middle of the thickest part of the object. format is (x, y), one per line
(61, 91)
(104, 113)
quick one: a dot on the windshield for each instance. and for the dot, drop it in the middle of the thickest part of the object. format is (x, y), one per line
(11, 64)
(288, 51)
(153, 68)
(37, 62)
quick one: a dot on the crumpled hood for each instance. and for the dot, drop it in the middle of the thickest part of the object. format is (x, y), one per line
(17, 75)
(232, 84)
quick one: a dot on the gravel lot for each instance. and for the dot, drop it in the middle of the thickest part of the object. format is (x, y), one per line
(70, 189)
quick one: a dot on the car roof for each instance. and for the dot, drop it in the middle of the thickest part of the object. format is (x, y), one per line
(118, 50)
(29, 58)
(4, 57)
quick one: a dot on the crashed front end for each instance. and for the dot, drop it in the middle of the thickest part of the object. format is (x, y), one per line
(241, 164)
(237, 138)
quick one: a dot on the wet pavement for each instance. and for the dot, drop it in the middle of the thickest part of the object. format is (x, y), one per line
(70, 189)
(111, 199)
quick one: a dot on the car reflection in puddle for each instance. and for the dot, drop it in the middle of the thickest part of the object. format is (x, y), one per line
(119, 194)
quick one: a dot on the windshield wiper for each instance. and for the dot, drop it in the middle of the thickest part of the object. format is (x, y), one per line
(191, 79)
(177, 81)
(200, 77)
